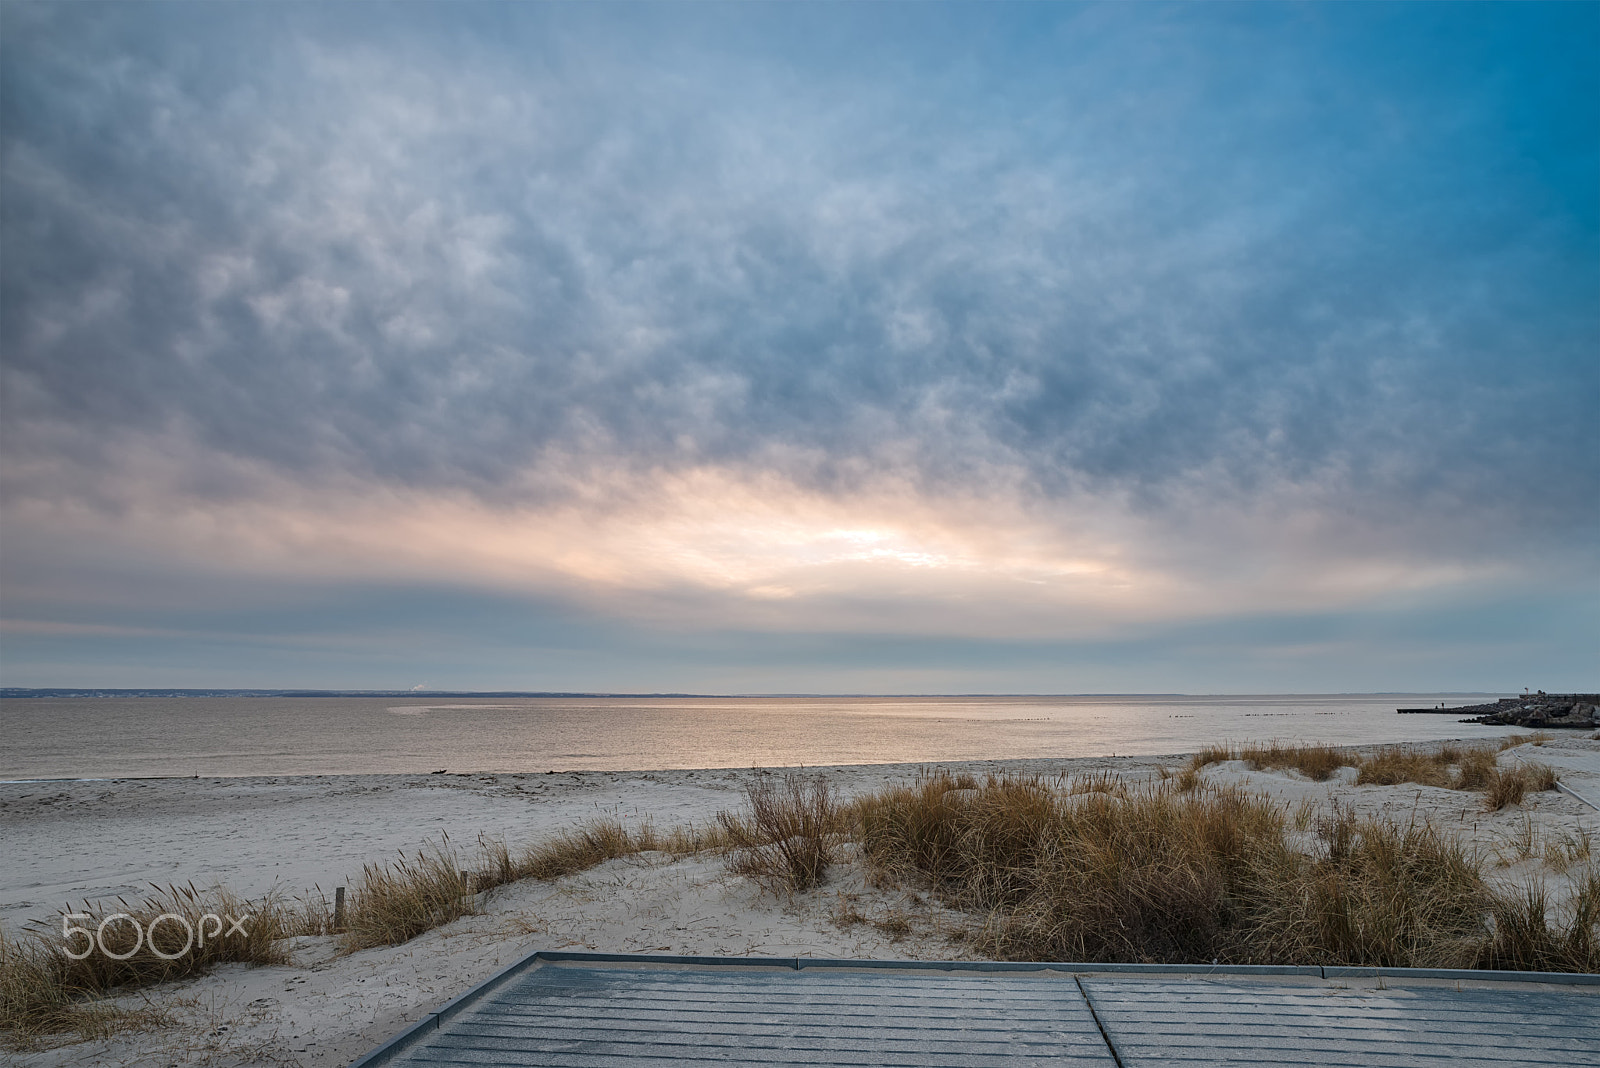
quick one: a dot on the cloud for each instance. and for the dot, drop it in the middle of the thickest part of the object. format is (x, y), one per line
(713, 548)
(975, 324)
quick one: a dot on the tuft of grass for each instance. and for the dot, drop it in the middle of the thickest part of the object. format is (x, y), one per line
(916, 829)
(168, 935)
(1475, 770)
(1573, 848)
(1142, 878)
(1524, 940)
(1303, 813)
(783, 843)
(1385, 894)
(311, 914)
(37, 1004)
(155, 950)
(1394, 765)
(1085, 876)
(1541, 777)
(579, 850)
(1509, 787)
(895, 922)
(496, 865)
(1316, 762)
(1523, 843)
(919, 818)
(1504, 788)
(394, 903)
(1211, 754)
(1100, 782)
(845, 912)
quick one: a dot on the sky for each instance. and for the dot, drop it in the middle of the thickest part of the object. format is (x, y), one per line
(1227, 348)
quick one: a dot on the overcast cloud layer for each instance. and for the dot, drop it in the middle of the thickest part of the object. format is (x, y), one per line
(826, 348)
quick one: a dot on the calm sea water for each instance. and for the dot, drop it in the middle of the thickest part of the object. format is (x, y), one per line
(118, 737)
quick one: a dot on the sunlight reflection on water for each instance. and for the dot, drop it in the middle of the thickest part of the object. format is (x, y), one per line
(97, 737)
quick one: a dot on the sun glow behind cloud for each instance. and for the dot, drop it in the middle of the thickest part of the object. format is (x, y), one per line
(1036, 325)
(722, 547)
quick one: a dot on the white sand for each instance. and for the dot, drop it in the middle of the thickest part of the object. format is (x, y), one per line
(68, 841)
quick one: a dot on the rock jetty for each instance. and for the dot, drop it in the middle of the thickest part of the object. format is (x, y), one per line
(1579, 710)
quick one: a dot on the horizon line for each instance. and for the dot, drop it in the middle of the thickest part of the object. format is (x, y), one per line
(261, 691)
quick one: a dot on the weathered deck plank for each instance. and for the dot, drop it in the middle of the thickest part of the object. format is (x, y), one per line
(1195, 1022)
(640, 1014)
(605, 1017)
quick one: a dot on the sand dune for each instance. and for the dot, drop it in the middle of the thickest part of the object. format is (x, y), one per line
(67, 841)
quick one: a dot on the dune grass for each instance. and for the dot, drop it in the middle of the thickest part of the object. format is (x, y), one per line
(570, 852)
(1392, 766)
(46, 991)
(1316, 762)
(1166, 875)
(1451, 766)
(37, 1004)
(1524, 940)
(1458, 767)
(1211, 754)
(396, 902)
(785, 843)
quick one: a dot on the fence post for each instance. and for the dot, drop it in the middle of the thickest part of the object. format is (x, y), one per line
(338, 908)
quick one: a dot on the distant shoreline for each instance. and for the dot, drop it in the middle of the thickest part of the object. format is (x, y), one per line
(100, 691)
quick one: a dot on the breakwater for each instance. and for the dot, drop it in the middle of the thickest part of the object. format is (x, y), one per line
(1577, 710)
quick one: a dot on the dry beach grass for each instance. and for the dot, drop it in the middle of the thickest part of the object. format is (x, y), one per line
(784, 840)
(1162, 874)
(396, 902)
(1457, 767)
(174, 933)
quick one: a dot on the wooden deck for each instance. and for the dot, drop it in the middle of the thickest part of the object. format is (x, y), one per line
(595, 1011)
(1188, 1021)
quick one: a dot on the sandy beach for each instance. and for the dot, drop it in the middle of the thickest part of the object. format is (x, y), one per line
(71, 841)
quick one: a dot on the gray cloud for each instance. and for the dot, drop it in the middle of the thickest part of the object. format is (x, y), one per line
(431, 253)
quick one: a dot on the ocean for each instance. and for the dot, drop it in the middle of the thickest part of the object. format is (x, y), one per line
(124, 737)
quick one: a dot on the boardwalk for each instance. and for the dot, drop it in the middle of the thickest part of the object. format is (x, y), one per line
(593, 1012)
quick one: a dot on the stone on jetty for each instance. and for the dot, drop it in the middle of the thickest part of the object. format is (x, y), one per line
(1578, 710)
